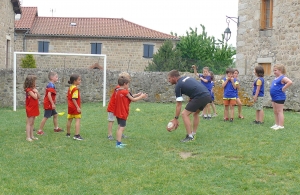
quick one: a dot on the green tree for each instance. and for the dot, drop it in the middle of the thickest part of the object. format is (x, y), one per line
(203, 50)
(166, 58)
(28, 62)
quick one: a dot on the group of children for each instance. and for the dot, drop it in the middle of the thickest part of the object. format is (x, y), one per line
(230, 84)
(32, 105)
(118, 107)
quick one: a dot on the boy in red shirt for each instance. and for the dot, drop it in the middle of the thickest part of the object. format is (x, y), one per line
(49, 104)
(122, 100)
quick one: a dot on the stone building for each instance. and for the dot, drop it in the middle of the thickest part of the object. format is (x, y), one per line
(268, 33)
(128, 46)
(8, 9)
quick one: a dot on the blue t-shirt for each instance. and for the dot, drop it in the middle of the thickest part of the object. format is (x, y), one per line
(50, 85)
(276, 89)
(229, 91)
(190, 87)
(259, 81)
(208, 83)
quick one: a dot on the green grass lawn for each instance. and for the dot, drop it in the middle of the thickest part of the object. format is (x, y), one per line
(226, 158)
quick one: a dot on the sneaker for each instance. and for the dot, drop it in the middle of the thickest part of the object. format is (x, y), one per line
(120, 146)
(29, 139)
(194, 136)
(110, 137)
(68, 135)
(274, 126)
(58, 130)
(77, 137)
(226, 119)
(187, 139)
(208, 118)
(40, 132)
(124, 136)
(231, 120)
(214, 115)
(278, 127)
(34, 138)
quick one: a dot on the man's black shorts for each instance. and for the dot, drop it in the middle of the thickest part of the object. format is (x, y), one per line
(198, 104)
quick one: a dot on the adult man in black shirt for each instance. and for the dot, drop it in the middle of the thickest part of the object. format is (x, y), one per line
(199, 98)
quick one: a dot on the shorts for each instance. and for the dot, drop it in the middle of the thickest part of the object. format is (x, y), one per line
(278, 101)
(49, 113)
(74, 116)
(198, 104)
(111, 117)
(121, 122)
(258, 105)
(228, 102)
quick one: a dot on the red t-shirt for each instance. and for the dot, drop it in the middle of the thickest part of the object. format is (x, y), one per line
(122, 103)
(50, 88)
(112, 101)
(73, 93)
(32, 105)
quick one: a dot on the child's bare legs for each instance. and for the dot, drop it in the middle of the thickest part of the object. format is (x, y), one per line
(239, 103)
(195, 122)
(231, 107)
(213, 106)
(278, 113)
(109, 129)
(226, 110)
(43, 122)
(55, 123)
(29, 128)
(77, 126)
(120, 133)
(69, 122)
(259, 115)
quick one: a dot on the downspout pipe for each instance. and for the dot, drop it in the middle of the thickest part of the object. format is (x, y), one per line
(24, 40)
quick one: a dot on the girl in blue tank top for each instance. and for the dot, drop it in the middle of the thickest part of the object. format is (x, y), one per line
(277, 92)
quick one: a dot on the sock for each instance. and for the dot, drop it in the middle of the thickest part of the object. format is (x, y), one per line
(191, 135)
(56, 128)
(205, 115)
(209, 115)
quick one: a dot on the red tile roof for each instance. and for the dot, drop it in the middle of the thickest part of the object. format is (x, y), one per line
(27, 18)
(88, 27)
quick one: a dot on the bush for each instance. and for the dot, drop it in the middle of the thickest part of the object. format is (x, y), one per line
(28, 62)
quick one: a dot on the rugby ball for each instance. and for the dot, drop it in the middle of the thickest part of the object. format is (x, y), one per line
(170, 126)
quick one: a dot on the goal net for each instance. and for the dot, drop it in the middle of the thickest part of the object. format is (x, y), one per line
(61, 60)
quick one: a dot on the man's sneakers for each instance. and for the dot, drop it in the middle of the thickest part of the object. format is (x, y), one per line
(58, 130)
(40, 132)
(187, 139)
(110, 137)
(77, 137)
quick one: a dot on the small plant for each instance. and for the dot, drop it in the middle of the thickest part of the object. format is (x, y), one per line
(28, 62)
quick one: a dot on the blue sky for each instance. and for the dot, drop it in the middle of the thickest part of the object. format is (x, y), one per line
(162, 15)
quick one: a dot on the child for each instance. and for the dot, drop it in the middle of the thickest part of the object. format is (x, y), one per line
(74, 110)
(111, 107)
(258, 94)
(123, 99)
(32, 105)
(238, 101)
(277, 92)
(206, 81)
(213, 94)
(229, 84)
(49, 104)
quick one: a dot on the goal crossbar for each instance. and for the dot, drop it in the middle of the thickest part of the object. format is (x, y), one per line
(57, 54)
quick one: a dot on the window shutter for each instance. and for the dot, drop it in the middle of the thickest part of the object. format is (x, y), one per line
(271, 14)
(151, 48)
(40, 46)
(99, 48)
(93, 48)
(146, 51)
(46, 47)
(263, 14)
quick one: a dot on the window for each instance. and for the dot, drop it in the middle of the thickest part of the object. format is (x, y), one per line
(266, 14)
(267, 68)
(43, 46)
(96, 48)
(148, 51)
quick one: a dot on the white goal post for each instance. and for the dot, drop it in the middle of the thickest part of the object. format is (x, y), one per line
(58, 54)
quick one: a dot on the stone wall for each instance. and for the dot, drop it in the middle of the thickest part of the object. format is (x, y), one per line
(122, 54)
(153, 83)
(277, 45)
(7, 20)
